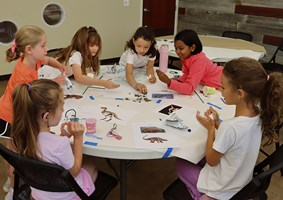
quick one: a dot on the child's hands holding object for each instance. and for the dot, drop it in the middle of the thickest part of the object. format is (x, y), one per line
(163, 77)
(75, 129)
(210, 120)
(141, 88)
(109, 84)
(151, 78)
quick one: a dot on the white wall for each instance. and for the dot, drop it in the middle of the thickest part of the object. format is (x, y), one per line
(114, 22)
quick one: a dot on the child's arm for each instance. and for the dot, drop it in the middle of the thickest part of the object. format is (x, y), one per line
(212, 156)
(76, 130)
(56, 64)
(131, 80)
(150, 71)
(84, 79)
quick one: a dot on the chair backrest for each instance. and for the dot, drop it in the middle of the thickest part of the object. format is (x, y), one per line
(44, 176)
(279, 48)
(255, 189)
(52, 52)
(238, 35)
(262, 176)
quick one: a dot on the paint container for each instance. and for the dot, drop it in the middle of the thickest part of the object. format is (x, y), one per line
(90, 125)
(208, 90)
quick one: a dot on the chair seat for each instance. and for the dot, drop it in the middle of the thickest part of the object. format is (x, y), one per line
(177, 191)
(103, 185)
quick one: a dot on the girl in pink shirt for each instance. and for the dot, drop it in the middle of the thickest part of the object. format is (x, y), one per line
(32, 137)
(197, 68)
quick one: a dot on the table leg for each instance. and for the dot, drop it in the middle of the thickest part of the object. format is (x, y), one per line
(123, 181)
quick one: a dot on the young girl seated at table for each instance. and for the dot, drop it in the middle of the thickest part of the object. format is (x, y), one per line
(29, 50)
(82, 55)
(32, 136)
(232, 146)
(140, 51)
(196, 67)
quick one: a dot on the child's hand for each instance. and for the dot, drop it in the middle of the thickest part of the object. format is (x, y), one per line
(214, 114)
(65, 69)
(76, 129)
(151, 78)
(110, 85)
(206, 121)
(163, 77)
(60, 79)
(63, 130)
(141, 88)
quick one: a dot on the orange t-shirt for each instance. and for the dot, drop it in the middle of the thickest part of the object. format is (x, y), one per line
(21, 74)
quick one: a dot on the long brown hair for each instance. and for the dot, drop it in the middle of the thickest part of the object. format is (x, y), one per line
(84, 37)
(264, 92)
(30, 101)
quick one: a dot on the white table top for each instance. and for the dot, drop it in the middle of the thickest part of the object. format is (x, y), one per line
(135, 114)
(220, 49)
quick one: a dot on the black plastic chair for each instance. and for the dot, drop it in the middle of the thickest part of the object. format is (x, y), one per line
(255, 189)
(53, 52)
(272, 65)
(50, 177)
(238, 35)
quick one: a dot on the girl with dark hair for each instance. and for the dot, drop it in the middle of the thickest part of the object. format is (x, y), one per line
(197, 68)
(140, 51)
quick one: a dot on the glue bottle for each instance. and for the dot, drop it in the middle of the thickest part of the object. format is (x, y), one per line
(163, 59)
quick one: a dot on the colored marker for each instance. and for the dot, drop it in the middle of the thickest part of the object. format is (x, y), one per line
(199, 97)
(211, 104)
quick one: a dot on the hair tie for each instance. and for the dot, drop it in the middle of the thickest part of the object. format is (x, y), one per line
(14, 46)
(28, 86)
(267, 77)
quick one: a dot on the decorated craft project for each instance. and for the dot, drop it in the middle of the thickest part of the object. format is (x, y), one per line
(154, 139)
(71, 115)
(175, 122)
(112, 133)
(108, 115)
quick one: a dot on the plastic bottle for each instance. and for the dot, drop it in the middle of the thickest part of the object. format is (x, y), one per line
(163, 59)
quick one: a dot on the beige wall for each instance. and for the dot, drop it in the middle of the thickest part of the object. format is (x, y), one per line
(114, 22)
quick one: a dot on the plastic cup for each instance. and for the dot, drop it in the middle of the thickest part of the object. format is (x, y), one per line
(208, 90)
(90, 125)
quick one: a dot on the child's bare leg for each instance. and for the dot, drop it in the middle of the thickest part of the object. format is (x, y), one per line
(89, 165)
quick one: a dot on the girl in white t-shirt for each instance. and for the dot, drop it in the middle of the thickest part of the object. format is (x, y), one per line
(232, 147)
(82, 55)
(140, 51)
(31, 135)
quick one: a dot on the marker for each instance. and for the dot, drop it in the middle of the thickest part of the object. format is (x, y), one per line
(96, 87)
(211, 104)
(119, 98)
(199, 97)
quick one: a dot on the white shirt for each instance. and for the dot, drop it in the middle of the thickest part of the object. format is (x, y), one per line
(239, 140)
(129, 56)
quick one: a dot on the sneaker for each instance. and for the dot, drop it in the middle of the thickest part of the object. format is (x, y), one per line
(7, 185)
(9, 195)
